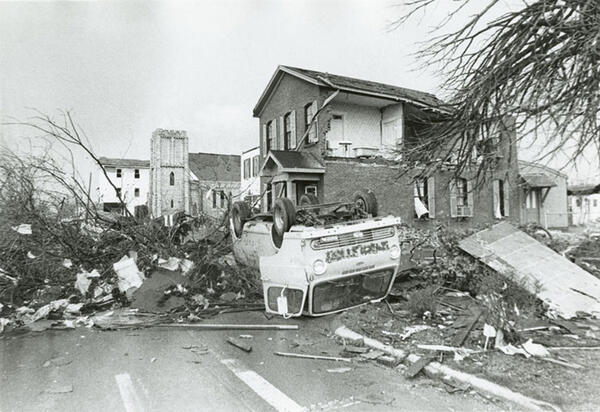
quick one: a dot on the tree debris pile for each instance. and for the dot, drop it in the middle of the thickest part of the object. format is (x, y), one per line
(57, 263)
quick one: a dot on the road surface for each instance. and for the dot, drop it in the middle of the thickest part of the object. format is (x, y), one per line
(166, 369)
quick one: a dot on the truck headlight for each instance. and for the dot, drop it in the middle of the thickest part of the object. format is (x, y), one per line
(319, 267)
(395, 252)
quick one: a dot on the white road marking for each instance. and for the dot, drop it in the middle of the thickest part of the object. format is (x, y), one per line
(130, 399)
(277, 399)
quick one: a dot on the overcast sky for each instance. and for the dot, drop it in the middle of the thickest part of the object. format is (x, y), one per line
(126, 68)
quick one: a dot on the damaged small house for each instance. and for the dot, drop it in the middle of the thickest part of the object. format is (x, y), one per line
(357, 139)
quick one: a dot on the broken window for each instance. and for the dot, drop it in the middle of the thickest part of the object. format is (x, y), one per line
(309, 112)
(424, 197)
(501, 198)
(461, 198)
(247, 168)
(119, 171)
(172, 179)
(136, 174)
(136, 192)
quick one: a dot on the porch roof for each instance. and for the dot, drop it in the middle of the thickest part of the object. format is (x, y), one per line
(537, 180)
(293, 162)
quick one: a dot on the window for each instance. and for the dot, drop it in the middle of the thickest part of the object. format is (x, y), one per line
(424, 198)
(287, 132)
(172, 203)
(311, 190)
(578, 202)
(255, 166)
(461, 198)
(136, 192)
(501, 198)
(119, 172)
(172, 179)
(270, 135)
(222, 199)
(595, 202)
(531, 199)
(214, 199)
(136, 174)
(309, 112)
(247, 168)
(118, 192)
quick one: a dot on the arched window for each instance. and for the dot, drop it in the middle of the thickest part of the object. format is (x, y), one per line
(172, 179)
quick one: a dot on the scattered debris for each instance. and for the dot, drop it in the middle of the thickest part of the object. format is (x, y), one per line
(240, 345)
(414, 369)
(208, 326)
(23, 229)
(411, 330)
(59, 361)
(373, 354)
(388, 361)
(58, 389)
(129, 276)
(317, 357)
(339, 370)
(151, 296)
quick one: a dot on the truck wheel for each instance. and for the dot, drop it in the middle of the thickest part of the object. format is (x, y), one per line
(366, 201)
(284, 215)
(240, 212)
(308, 199)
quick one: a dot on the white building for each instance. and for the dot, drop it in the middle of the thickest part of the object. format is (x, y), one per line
(131, 177)
(584, 201)
(250, 181)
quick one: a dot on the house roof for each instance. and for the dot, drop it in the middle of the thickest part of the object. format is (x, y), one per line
(350, 85)
(537, 180)
(213, 166)
(587, 189)
(125, 163)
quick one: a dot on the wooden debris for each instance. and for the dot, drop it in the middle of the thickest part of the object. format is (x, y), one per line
(461, 337)
(388, 361)
(418, 366)
(558, 348)
(563, 363)
(317, 357)
(356, 349)
(374, 354)
(240, 345)
(212, 326)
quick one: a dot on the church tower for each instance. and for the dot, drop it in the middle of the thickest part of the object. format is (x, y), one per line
(169, 172)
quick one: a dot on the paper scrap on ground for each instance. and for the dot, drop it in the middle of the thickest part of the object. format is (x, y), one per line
(565, 287)
(23, 229)
(130, 277)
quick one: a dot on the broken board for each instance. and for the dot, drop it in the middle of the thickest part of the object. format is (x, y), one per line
(563, 285)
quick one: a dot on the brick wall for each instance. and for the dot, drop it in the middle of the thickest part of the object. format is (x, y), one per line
(395, 193)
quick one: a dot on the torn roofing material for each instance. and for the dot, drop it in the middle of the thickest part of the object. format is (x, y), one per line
(563, 285)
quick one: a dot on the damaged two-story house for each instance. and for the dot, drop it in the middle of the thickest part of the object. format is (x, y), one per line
(356, 141)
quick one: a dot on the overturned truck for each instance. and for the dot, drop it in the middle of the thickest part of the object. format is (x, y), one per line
(316, 259)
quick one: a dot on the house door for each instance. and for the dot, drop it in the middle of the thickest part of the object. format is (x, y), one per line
(335, 135)
(532, 206)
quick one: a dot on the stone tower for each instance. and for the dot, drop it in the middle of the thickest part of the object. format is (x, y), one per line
(169, 172)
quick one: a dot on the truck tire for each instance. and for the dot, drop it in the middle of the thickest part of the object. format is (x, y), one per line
(284, 215)
(308, 199)
(240, 212)
(366, 201)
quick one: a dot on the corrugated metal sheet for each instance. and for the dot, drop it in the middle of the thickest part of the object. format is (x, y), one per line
(563, 285)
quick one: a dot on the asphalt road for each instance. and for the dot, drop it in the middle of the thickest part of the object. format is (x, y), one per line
(165, 369)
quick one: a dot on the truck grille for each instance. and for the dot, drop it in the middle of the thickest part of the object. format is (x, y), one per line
(353, 238)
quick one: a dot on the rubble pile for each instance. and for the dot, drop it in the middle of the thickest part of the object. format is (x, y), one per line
(65, 271)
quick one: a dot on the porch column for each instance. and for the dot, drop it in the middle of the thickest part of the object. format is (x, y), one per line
(291, 190)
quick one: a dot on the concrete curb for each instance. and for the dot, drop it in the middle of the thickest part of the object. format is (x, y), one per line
(438, 371)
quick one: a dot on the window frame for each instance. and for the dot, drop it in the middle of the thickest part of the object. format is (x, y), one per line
(172, 179)
(136, 192)
(136, 173)
(255, 165)
(247, 168)
(270, 136)
(119, 172)
(287, 131)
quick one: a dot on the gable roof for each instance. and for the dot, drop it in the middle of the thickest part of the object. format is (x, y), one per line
(532, 167)
(213, 166)
(125, 163)
(350, 85)
(292, 161)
